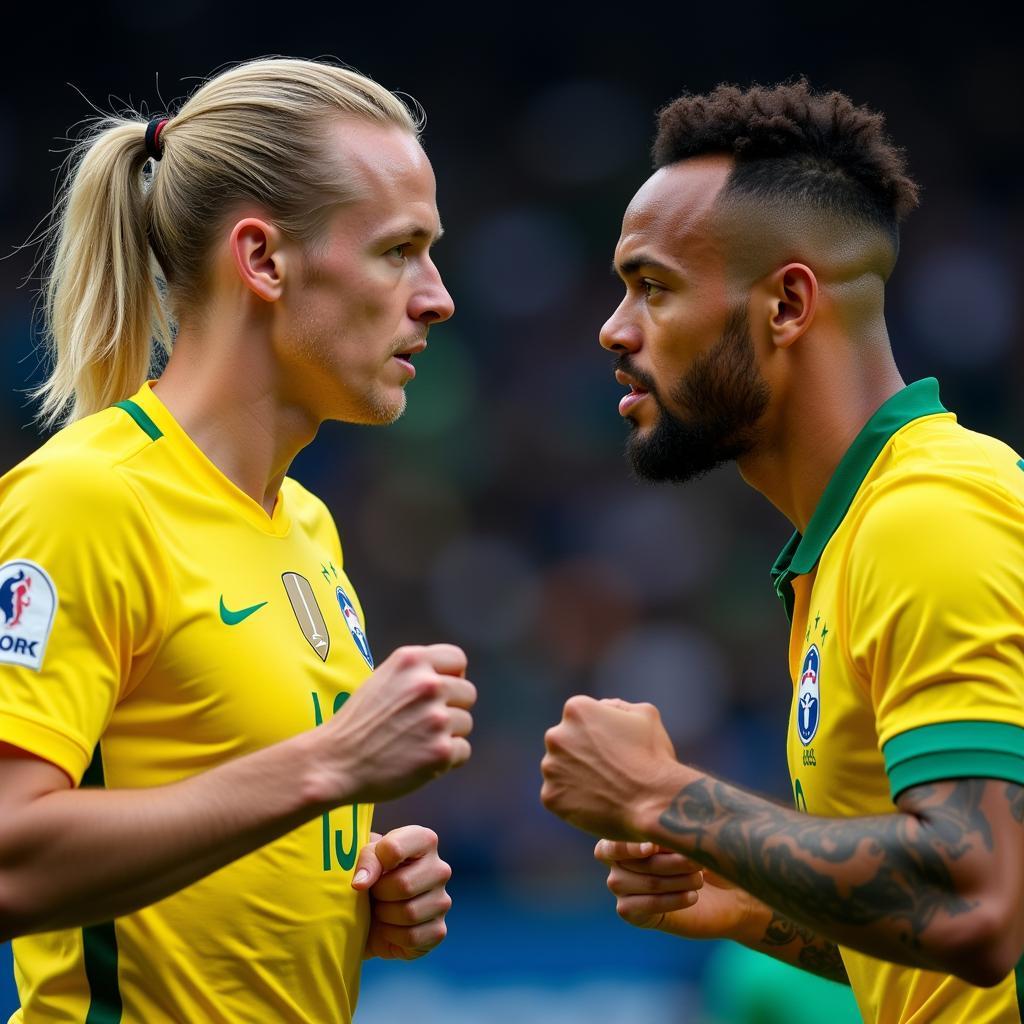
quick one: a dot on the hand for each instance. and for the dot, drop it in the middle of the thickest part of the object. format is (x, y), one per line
(406, 879)
(604, 761)
(658, 888)
(404, 726)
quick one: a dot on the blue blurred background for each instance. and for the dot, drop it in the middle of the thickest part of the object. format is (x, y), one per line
(499, 514)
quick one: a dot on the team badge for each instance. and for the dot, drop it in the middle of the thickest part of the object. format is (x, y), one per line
(355, 627)
(808, 697)
(28, 603)
(307, 612)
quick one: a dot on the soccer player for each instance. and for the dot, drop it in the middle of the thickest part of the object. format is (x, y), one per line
(193, 729)
(752, 329)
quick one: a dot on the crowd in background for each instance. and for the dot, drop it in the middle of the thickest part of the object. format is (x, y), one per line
(499, 513)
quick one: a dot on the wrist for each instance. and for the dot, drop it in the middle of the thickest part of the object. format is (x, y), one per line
(647, 810)
(327, 779)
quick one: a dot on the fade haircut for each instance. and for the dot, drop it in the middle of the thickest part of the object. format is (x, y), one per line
(794, 145)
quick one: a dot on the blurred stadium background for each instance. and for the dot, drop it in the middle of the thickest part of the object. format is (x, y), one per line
(499, 513)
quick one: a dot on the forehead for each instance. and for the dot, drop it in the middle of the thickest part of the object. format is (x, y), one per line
(389, 171)
(670, 217)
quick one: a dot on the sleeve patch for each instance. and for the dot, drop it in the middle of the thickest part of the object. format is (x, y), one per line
(28, 604)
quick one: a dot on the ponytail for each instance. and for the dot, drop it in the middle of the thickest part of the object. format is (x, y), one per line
(102, 304)
(125, 242)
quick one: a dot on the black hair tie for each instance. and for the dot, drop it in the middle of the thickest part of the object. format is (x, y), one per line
(153, 132)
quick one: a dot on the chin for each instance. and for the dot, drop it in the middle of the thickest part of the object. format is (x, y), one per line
(386, 410)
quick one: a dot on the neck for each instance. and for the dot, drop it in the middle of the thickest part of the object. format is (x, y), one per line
(817, 416)
(220, 385)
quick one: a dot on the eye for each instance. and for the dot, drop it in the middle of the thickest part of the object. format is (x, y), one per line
(650, 289)
(397, 252)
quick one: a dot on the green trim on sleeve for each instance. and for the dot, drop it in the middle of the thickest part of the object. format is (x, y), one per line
(954, 750)
(141, 417)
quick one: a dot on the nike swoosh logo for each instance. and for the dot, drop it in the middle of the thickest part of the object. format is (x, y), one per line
(230, 618)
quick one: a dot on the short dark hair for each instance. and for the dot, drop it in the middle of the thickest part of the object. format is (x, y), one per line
(790, 142)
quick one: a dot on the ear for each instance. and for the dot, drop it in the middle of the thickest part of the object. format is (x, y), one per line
(791, 295)
(257, 249)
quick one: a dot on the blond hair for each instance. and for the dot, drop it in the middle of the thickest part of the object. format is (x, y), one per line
(129, 239)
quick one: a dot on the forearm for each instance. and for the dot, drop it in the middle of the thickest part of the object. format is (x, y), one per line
(77, 856)
(800, 946)
(751, 922)
(882, 885)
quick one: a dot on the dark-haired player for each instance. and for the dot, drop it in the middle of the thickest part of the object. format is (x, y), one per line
(755, 260)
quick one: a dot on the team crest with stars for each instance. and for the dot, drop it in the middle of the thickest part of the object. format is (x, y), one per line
(808, 700)
(355, 627)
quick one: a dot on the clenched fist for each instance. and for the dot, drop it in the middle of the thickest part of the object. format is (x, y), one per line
(407, 724)
(605, 761)
(406, 880)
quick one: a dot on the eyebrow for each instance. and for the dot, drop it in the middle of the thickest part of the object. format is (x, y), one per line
(629, 267)
(417, 231)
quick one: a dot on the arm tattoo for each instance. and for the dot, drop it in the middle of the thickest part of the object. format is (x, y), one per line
(892, 869)
(1015, 795)
(815, 954)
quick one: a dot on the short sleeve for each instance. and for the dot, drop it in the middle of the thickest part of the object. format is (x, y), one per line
(81, 591)
(935, 599)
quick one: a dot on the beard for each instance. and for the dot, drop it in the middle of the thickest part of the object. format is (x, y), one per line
(725, 396)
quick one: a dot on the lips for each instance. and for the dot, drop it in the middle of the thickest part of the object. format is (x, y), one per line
(405, 356)
(636, 392)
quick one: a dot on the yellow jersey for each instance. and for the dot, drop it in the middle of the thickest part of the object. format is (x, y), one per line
(906, 598)
(155, 622)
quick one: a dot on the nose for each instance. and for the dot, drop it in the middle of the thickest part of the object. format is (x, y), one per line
(618, 334)
(431, 304)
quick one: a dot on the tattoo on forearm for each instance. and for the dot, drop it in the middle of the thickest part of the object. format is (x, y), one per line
(1015, 795)
(899, 864)
(815, 954)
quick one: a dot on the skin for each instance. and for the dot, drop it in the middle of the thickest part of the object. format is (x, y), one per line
(290, 336)
(940, 883)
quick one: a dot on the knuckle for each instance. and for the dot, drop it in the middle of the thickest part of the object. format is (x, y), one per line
(407, 657)
(437, 719)
(441, 750)
(427, 686)
(407, 890)
(445, 871)
(574, 706)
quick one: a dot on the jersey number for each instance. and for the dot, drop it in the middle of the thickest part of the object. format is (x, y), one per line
(346, 857)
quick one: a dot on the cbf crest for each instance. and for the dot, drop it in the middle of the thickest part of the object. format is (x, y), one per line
(808, 698)
(355, 627)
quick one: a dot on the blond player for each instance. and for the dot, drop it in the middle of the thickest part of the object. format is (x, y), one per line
(755, 261)
(192, 729)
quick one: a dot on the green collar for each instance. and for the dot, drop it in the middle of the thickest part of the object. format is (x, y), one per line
(801, 554)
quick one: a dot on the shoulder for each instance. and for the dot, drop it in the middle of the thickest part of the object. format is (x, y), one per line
(943, 484)
(942, 532)
(74, 481)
